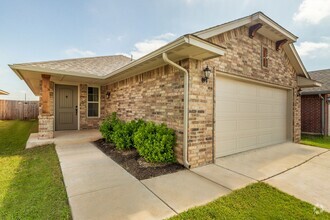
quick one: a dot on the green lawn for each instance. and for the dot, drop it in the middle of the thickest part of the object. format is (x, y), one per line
(31, 184)
(256, 201)
(318, 141)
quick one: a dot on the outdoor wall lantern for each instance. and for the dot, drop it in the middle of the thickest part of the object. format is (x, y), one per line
(207, 73)
(108, 94)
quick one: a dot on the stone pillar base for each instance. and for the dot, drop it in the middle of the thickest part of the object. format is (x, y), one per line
(46, 127)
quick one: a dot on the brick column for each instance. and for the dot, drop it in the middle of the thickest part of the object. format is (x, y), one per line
(200, 127)
(46, 117)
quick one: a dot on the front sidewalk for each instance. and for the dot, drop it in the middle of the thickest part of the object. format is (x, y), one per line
(98, 188)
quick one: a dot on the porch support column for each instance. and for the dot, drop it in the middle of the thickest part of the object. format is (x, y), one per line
(45, 81)
(46, 117)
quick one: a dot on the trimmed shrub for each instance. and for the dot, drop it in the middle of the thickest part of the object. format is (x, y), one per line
(123, 133)
(121, 136)
(155, 142)
(108, 125)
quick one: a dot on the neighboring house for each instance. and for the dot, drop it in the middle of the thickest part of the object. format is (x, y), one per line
(2, 92)
(315, 106)
(250, 100)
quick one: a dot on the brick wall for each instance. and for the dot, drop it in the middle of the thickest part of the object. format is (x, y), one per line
(200, 132)
(242, 58)
(86, 122)
(156, 96)
(311, 115)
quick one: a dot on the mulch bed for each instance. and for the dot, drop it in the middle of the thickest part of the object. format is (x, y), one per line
(136, 165)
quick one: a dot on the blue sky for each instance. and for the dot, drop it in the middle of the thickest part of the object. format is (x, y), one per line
(40, 30)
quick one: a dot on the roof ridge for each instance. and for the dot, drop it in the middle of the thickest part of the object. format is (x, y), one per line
(71, 59)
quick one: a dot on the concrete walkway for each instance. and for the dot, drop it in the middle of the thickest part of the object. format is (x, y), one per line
(65, 137)
(309, 182)
(300, 170)
(98, 188)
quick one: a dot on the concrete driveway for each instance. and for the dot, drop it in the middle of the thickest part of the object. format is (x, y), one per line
(300, 170)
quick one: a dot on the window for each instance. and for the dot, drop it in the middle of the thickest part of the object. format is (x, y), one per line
(264, 57)
(93, 102)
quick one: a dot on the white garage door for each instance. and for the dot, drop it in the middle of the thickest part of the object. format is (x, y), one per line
(248, 116)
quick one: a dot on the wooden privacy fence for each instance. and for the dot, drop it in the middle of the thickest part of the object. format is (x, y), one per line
(13, 110)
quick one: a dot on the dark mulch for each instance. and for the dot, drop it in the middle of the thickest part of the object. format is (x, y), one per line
(134, 164)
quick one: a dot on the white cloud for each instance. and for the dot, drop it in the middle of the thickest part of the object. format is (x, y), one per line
(312, 11)
(165, 36)
(144, 47)
(74, 52)
(313, 49)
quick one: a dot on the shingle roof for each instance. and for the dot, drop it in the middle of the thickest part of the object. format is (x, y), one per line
(322, 76)
(99, 66)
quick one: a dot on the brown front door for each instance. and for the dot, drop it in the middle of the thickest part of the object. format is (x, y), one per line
(66, 107)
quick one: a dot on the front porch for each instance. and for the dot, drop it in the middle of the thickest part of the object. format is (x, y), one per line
(65, 137)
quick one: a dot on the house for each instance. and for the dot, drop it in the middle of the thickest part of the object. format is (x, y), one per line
(315, 105)
(226, 89)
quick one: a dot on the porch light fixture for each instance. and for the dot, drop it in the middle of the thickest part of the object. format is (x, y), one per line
(108, 94)
(207, 73)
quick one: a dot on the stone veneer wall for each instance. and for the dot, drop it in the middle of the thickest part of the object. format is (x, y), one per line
(242, 58)
(46, 121)
(93, 122)
(156, 96)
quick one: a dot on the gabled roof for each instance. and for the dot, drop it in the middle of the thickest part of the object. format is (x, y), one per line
(97, 66)
(2, 92)
(269, 29)
(81, 70)
(322, 76)
(277, 32)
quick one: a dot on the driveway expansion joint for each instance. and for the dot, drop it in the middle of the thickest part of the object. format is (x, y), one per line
(159, 197)
(237, 172)
(298, 165)
(211, 181)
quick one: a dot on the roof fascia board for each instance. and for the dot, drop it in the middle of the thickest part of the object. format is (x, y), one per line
(244, 21)
(307, 83)
(276, 26)
(190, 39)
(15, 67)
(315, 92)
(205, 45)
(303, 69)
(223, 28)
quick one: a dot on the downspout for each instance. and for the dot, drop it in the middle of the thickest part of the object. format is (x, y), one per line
(185, 106)
(322, 112)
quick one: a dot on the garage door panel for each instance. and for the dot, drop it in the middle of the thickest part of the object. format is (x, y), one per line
(265, 108)
(227, 126)
(248, 116)
(225, 136)
(265, 123)
(228, 106)
(246, 142)
(245, 124)
(244, 107)
(264, 139)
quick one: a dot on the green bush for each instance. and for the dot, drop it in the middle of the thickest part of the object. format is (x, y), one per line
(108, 125)
(123, 134)
(155, 142)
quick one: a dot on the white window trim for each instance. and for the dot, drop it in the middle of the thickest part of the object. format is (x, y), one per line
(99, 102)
